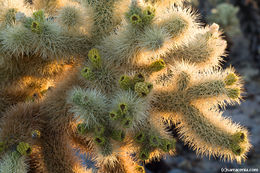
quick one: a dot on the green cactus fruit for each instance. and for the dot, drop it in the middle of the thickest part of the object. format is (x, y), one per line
(94, 57)
(39, 16)
(239, 137)
(157, 65)
(99, 140)
(118, 135)
(125, 82)
(148, 14)
(143, 88)
(230, 79)
(140, 169)
(24, 148)
(81, 128)
(237, 149)
(114, 115)
(144, 154)
(154, 141)
(36, 27)
(139, 77)
(167, 145)
(36, 134)
(127, 122)
(233, 93)
(123, 108)
(99, 130)
(86, 72)
(135, 19)
(140, 137)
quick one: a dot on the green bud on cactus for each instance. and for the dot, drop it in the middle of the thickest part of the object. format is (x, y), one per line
(39, 16)
(140, 137)
(237, 149)
(94, 57)
(135, 19)
(125, 82)
(239, 137)
(149, 14)
(86, 72)
(139, 77)
(157, 65)
(144, 154)
(36, 134)
(36, 27)
(24, 148)
(99, 140)
(127, 122)
(154, 141)
(118, 135)
(143, 88)
(233, 93)
(81, 128)
(114, 115)
(230, 79)
(167, 145)
(123, 108)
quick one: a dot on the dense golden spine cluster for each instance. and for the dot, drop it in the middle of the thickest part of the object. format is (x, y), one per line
(104, 78)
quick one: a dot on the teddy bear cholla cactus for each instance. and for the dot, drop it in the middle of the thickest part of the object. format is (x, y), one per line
(145, 64)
